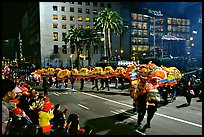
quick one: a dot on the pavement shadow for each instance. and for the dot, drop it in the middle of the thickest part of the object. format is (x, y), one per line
(182, 105)
(113, 125)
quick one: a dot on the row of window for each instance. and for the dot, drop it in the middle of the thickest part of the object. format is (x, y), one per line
(178, 21)
(139, 48)
(178, 28)
(64, 49)
(55, 8)
(94, 4)
(72, 18)
(140, 41)
(64, 26)
(139, 25)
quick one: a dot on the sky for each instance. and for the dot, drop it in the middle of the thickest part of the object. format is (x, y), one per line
(12, 13)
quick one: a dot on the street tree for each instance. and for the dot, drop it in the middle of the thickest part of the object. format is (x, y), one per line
(108, 21)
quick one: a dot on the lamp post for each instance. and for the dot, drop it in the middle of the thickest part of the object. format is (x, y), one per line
(154, 26)
(71, 61)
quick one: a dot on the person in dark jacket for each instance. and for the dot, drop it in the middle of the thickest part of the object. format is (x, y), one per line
(82, 83)
(45, 86)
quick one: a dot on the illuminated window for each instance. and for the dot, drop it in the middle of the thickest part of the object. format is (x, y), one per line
(174, 21)
(71, 9)
(54, 8)
(94, 3)
(80, 18)
(80, 26)
(64, 17)
(139, 33)
(87, 11)
(134, 16)
(187, 22)
(71, 18)
(55, 49)
(133, 25)
(139, 25)
(139, 16)
(169, 28)
(174, 28)
(94, 11)
(145, 26)
(64, 49)
(87, 26)
(88, 19)
(179, 21)
(169, 20)
(55, 36)
(64, 26)
(188, 29)
(79, 10)
(183, 22)
(72, 25)
(55, 17)
(55, 25)
(134, 48)
(62, 8)
(79, 3)
(145, 33)
(109, 5)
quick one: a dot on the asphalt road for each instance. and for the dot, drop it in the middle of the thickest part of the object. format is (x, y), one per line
(111, 113)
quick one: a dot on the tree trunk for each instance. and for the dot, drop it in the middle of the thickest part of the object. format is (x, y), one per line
(104, 34)
(89, 58)
(109, 44)
(78, 60)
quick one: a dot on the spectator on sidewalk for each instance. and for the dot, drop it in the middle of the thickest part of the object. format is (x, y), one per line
(8, 93)
(82, 84)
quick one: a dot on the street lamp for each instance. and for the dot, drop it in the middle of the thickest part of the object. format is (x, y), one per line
(71, 61)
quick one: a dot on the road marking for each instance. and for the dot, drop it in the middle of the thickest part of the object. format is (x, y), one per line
(83, 106)
(162, 115)
(56, 94)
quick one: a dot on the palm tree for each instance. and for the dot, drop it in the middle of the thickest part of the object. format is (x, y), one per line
(75, 37)
(110, 21)
(91, 38)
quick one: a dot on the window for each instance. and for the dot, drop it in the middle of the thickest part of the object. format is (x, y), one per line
(87, 26)
(80, 18)
(63, 35)
(64, 26)
(134, 16)
(71, 18)
(71, 9)
(55, 49)
(55, 17)
(72, 25)
(54, 8)
(87, 3)
(55, 36)
(62, 8)
(64, 17)
(87, 11)
(79, 10)
(71, 2)
(88, 19)
(55, 25)
(94, 3)
(102, 5)
(64, 49)
(109, 5)
(94, 11)
(80, 26)
(145, 26)
(169, 20)
(79, 3)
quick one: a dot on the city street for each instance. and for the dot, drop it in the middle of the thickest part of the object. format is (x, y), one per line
(111, 112)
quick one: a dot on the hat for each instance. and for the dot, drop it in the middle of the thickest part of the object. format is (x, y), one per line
(46, 107)
(17, 111)
(47, 99)
(15, 101)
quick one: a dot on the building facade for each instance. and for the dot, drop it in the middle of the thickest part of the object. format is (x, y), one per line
(48, 23)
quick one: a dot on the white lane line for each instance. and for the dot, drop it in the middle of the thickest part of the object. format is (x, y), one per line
(83, 106)
(162, 115)
(56, 94)
(184, 121)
